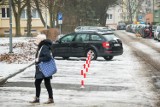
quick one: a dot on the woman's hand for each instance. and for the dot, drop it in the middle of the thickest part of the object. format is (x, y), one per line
(37, 60)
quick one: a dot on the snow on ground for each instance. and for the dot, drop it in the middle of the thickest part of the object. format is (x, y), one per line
(23, 50)
(129, 86)
(157, 44)
(125, 86)
(23, 55)
(145, 49)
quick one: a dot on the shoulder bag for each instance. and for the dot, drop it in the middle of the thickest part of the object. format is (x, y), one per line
(48, 68)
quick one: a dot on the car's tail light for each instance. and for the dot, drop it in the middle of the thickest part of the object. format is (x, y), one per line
(106, 45)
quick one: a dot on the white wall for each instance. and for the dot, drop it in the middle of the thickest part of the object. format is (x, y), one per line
(115, 12)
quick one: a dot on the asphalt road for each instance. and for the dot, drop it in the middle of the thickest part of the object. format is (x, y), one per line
(150, 55)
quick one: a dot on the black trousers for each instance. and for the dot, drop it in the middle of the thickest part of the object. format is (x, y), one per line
(47, 85)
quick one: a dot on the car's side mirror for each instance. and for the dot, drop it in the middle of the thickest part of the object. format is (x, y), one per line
(58, 41)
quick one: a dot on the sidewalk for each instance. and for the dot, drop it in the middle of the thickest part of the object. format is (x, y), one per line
(9, 70)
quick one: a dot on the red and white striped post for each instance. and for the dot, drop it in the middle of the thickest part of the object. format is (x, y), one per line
(85, 69)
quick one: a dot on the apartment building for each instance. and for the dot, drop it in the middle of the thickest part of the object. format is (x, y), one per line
(114, 15)
(148, 11)
(156, 11)
(120, 13)
(37, 25)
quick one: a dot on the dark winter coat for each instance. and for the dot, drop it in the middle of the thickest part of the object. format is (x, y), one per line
(44, 55)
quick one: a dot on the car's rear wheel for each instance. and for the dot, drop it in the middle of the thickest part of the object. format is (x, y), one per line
(158, 38)
(108, 58)
(65, 57)
(154, 38)
(92, 53)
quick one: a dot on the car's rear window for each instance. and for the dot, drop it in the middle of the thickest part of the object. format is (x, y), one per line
(121, 24)
(95, 37)
(109, 37)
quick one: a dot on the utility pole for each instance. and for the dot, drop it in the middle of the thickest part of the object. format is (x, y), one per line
(10, 31)
(46, 13)
(153, 12)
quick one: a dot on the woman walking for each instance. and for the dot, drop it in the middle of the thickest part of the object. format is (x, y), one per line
(42, 55)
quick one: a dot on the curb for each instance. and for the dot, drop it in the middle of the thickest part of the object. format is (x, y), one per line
(3, 80)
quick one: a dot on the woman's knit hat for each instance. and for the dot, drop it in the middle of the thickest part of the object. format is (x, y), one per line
(39, 38)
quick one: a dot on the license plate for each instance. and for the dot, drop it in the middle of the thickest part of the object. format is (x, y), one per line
(116, 44)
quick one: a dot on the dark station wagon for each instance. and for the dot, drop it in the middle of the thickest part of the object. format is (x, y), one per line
(79, 44)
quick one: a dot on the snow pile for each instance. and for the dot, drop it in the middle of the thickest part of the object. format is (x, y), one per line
(23, 50)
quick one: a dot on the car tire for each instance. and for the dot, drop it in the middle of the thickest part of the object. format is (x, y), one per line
(158, 38)
(93, 54)
(65, 57)
(108, 58)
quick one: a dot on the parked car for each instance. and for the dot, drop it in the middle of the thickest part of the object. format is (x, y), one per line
(90, 28)
(102, 31)
(142, 30)
(128, 28)
(133, 28)
(153, 30)
(121, 26)
(156, 32)
(147, 32)
(80, 28)
(79, 44)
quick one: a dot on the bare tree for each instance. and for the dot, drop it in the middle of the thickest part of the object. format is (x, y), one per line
(87, 10)
(51, 11)
(131, 6)
(38, 4)
(100, 7)
(18, 6)
(51, 6)
(78, 11)
(2, 2)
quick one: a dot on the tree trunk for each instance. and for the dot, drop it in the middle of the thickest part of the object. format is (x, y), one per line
(51, 7)
(102, 20)
(130, 12)
(18, 27)
(39, 12)
(17, 10)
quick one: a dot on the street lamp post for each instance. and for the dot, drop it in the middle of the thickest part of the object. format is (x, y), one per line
(46, 14)
(153, 12)
(10, 30)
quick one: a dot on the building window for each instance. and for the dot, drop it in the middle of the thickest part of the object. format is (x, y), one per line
(24, 14)
(34, 14)
(119, 10)
(5, 12)
(109, 17)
